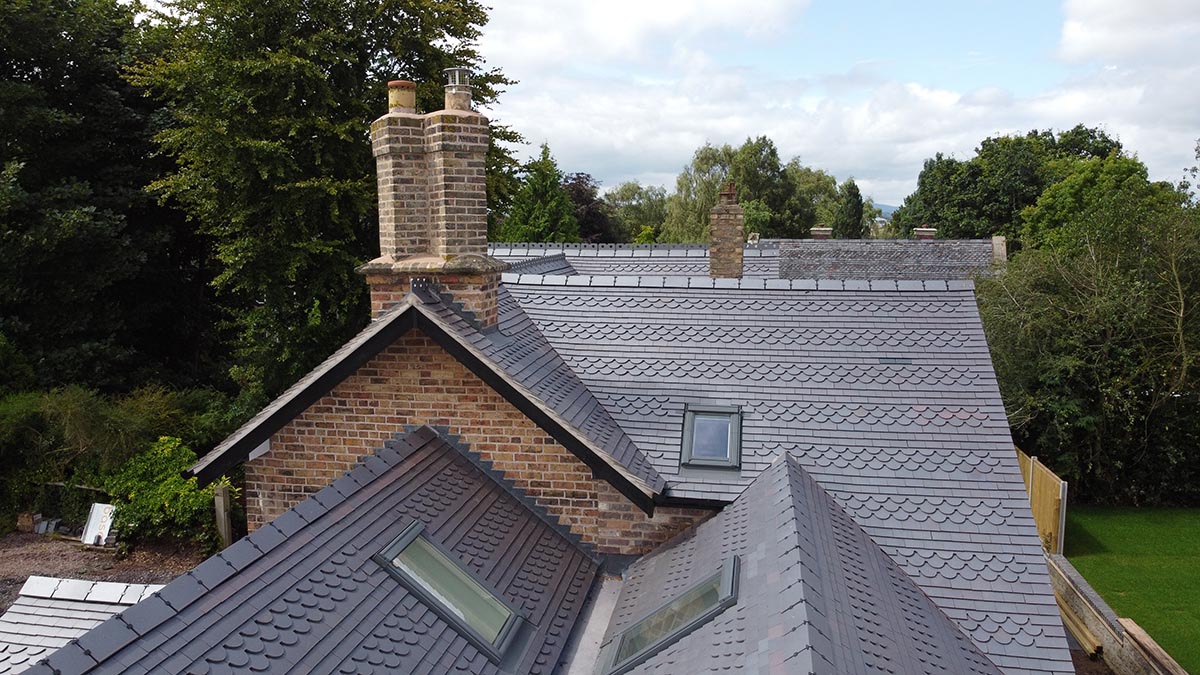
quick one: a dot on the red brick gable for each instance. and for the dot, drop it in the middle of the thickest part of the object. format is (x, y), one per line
(414, 381)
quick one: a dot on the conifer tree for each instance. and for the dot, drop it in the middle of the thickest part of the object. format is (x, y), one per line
(541, 210)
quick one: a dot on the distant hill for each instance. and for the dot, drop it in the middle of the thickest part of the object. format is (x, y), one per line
(887, 209)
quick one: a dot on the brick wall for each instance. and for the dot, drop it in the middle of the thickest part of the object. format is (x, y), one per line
(477, 293)
(415, 382)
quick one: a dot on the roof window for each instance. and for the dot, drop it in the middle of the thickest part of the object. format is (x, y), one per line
(712, 436)
(451, 590)
(671, 622)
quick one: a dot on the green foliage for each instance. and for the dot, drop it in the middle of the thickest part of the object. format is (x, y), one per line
(756, 216)
(1095, 338)
(786, 198)
(986, 194)
(542, 210)
(79, 437)
(640, 211)
(1097, 196)
(695, 195)
(155, 501)
(269, 102)
(848, 222)
(818, 188)
(88, 260)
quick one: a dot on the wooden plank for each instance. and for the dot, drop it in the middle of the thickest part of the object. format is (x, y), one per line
(1078, 629)
(1155, 654)
(221, 509)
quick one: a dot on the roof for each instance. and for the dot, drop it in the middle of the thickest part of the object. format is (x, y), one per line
(759, 260)
(304, 593)
(50, 612)
(882, 390)
(884, 258)
(524, 369)
(891, 259)
(815, 595)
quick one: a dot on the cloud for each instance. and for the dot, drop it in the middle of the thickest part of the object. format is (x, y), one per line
(625, 91)
(1119, 30)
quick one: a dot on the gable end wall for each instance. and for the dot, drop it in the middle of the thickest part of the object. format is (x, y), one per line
(414, 381)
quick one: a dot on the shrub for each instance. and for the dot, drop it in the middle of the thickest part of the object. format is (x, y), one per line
(155, 501)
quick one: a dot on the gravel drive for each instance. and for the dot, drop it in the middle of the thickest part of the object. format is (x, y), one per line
(22, 555)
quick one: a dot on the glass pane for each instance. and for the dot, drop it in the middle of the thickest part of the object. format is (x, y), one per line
(453, 587)
(677, 614)
(710, 437)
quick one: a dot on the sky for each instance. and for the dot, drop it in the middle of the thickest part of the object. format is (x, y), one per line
(628, 89)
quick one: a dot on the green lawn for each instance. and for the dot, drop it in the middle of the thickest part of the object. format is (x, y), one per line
(1146, 564)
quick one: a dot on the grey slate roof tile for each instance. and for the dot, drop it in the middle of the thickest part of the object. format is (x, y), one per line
(50, 613)
(316, 601)
(886, 396)
(816, 594)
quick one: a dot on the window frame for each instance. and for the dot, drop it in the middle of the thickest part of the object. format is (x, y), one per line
(728, 574)
(734, 459)
(495, 651)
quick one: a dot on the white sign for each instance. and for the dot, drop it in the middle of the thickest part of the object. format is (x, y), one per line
(99, 522)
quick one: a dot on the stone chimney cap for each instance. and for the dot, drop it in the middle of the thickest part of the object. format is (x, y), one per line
(402, 84)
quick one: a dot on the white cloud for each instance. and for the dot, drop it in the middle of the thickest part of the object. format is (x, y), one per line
(627, 90)
(1143, 30)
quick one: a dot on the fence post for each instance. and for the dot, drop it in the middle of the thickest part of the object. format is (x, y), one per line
(221, 508)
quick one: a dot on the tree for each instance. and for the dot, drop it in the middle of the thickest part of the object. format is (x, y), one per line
(816, 188)
(597, 224)
(270, 102)
(1095, 334)
(542, 210)
(91, 269)
(848, 222)
(695, 195)
(986, 194)
(782, 208)
(641, 211)
(1096, 199)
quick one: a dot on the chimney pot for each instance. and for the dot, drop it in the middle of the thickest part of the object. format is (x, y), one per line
(729, 194)
(458, 88)
(821, 232)
(402, 96)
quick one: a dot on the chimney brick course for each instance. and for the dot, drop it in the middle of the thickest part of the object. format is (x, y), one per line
(727, 237)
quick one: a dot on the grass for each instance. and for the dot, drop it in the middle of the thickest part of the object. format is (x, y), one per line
(1146, 564)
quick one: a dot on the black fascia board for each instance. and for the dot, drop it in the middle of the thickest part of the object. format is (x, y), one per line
(691, 502)
(557, 431)
(311, 393)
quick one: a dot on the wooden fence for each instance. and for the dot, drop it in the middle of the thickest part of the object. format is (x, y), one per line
(1048, 500)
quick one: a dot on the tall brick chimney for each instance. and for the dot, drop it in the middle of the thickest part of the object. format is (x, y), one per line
(727, 237)
(433, 200)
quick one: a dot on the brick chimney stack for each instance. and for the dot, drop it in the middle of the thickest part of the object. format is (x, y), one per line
(925, 233)
(727, 237)
(433, 200)
(821, 232)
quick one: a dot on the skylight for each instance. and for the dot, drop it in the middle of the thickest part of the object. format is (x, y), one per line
(450, 590)
(671, 622)
(712, 436)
